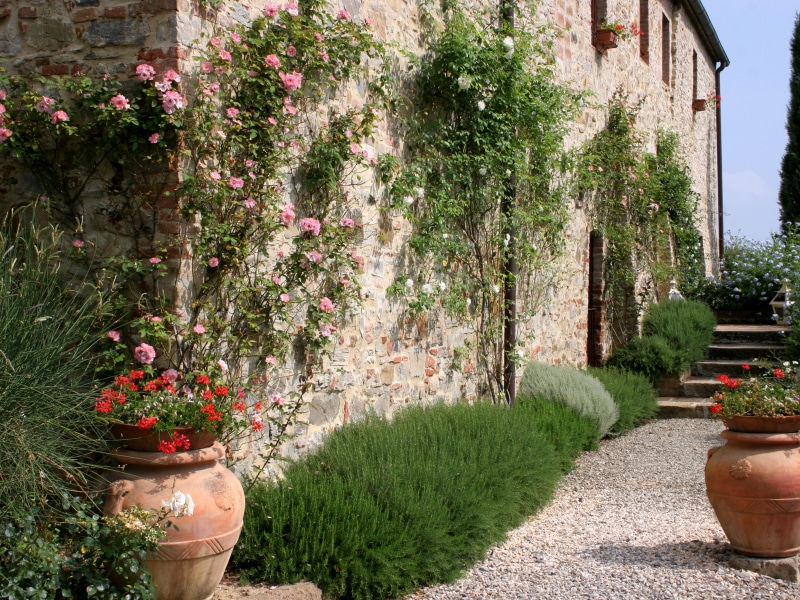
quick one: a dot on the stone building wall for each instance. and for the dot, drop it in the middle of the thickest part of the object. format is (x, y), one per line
(383, 359)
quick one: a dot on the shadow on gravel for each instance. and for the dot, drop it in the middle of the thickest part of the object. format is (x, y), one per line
(695, 555)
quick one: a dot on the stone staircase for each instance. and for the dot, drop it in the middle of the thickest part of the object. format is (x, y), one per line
(733, 346)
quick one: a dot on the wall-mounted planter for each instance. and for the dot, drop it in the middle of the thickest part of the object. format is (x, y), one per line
(698, 105)
(606, 38)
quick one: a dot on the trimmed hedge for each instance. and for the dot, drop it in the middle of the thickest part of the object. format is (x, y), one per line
(385, 507)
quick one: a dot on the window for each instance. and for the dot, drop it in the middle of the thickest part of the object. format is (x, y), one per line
(694, 74)
(599, 14)
(666, 51)
(644, 27)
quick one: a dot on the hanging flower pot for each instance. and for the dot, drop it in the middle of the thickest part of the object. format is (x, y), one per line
(699, 104)
(606, 38)
(206, 506)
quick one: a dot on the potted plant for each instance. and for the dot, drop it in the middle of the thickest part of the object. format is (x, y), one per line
(753, 481)
(609, 32)
(699, 104)
(168, 423)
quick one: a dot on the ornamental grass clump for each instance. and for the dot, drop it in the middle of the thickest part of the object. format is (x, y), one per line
(775, 393)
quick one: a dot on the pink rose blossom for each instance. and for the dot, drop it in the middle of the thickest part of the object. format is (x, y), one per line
(45, 105)
(291, 8)
(4, 134)
(215, 41)
(206, 67)
(113, 336)
(270, 10)
(154, 137)
(236, 38)
(232, 112)
(224, 55)
(355, 148)
(368, 21)
(287, 215)
(2, 94)
(78, 243)
(214, 86)
(344, 282)
(250, 203)
(324, 56)
(270, 360)
(154, 319)
(272, 121)
(213, 262)
(171, 76)
(170, 375)
(343, 15)
(291, 51)
(277, 399)
(314, 256)
(272, 61)
(236, 183)
(144, 353)
(290, 109)
(591, 168)
(318, 36)
(120, 102)
(373, 161)
(199, 329)
(291, 81)
(155, 260)
(59, 117)
(215, 175)
(145, 72)
(325, 305)
(249, 163)
(310, 225)
(345, 222)
(284, 297)
(173, 101)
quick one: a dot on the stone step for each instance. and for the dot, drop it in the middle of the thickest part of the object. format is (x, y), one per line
(684, 408)
(763, 334)
(712, 368)
(700, 387)
(744, 352)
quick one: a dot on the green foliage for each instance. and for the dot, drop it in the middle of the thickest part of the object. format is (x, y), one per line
(675, 333)
(789, 194)
(482, 107)
(650, 356)
(47, 334)
(385, 507)
(573, 388)
(687, 326)
(633, 394)
(79, 555)
(638, 201)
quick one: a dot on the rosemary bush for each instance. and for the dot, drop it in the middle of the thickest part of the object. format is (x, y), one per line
(385, 507)
(573, 388)
(687, 326)
(633, 394)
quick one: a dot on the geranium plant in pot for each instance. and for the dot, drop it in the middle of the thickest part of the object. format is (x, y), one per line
(608, 32)
(753, 481)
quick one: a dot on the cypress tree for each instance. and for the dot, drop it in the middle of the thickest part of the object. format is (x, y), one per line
(789, 196)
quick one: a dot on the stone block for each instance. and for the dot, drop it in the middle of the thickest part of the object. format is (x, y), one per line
(83, 15)
(787, 569)
(50, 34)
(115, 12)
(324, 409)
(28, 12)
(117, 33)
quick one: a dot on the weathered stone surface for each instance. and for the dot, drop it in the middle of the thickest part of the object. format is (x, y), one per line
(117, 33)
(324, 410)
(777, 568)
(46, 33)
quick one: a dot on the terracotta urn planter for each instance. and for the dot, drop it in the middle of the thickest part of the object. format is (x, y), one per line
(753, 484)
(606, 39)
(136, 438)
(191, 560)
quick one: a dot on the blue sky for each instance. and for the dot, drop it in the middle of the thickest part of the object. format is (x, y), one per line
(756, 35)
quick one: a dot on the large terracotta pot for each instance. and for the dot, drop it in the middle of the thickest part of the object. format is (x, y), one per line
(753, 484)
(190, 562)
(135, 438)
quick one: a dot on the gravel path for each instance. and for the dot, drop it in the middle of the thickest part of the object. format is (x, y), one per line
(632, 521)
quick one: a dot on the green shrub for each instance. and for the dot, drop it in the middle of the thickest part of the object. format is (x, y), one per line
(574, 388)
(633, 394)
(687, 326)
(385, 507)
(47, 427)
(650, 356)
(74, 556)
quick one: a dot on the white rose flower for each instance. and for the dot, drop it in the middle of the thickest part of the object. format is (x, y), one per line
(442, 285)
(409, 283)
(408, 200)
(222, 365)
(508, 44)
(420, 192)
(427, 288)
(495, 289)
(180, 504)
(464, 82)
(482, 171)
(469, 302)
(481, 104)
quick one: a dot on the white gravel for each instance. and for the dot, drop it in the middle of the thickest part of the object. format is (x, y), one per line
(631, 521)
